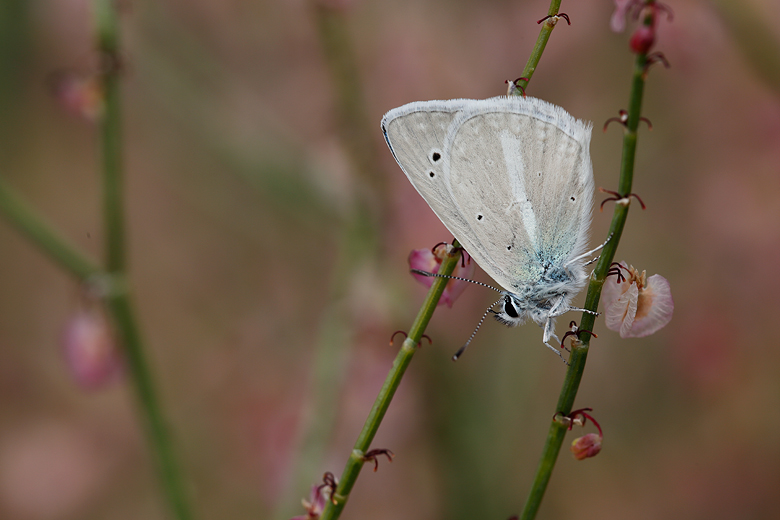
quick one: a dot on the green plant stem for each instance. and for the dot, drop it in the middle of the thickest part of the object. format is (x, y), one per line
(579, 353)
(111, 137)
(408, 348)
(119, 304)
(541, 42)
(128, 333)
(42, 234)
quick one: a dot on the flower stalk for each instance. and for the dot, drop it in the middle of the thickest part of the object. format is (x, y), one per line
(579, 353)
(358, 456)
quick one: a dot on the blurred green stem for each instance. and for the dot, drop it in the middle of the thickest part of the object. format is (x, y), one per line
(579, 353)
(107, 33)
(408, 348)
(40, 232)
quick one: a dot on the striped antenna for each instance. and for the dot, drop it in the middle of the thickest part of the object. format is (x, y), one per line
(462, 349)
(436, 275)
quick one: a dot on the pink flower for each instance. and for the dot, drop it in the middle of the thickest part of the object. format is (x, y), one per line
(430, 261)
(79, 95)
(90, 351)
(315, 505)
(589, 445)
(618, 21)
(635, 305)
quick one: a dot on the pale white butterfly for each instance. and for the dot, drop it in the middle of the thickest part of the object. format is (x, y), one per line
(511, 178)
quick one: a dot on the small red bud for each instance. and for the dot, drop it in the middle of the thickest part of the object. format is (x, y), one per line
(642, 40)
(588, 445)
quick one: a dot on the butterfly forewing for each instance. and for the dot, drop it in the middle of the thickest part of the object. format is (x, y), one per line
(415, 134)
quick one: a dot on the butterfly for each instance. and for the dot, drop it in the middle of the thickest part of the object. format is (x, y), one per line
(511, 178)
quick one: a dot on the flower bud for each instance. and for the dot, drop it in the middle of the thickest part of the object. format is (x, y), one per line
(90, 351)
(642, 40)
(587, 446)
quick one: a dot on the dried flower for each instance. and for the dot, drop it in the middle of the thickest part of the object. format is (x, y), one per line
(589, 445)
(90, 351)
(430, 261)
(634, 304)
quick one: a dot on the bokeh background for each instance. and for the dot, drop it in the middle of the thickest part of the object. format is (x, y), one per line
(269, 228)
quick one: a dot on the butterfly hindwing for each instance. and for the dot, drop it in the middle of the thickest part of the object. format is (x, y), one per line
(519, 172)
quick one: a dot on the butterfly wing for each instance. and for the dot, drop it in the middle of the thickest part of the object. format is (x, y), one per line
(415, 134)
(519, 171)
(496, 172)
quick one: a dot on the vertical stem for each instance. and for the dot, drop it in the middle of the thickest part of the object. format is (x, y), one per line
(110, 130)
(156, 427)
(128, 333)
(579, 354)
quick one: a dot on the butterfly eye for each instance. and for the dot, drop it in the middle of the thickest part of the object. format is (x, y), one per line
(510, 309)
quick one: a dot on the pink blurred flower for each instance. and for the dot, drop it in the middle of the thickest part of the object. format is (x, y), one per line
(618, 21)
(635, 305)
(315, 504)
(90, 351)
(430, 261)
(79, 95)
(589, 445)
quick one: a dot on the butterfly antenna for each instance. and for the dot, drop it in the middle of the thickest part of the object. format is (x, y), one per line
(462, 349)
(436, 275)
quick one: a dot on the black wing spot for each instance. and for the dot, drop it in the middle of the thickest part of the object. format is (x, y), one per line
(538, 174)
(436, 156)
(508, 248)
(479, 217)
(432, 174)
(572, 199)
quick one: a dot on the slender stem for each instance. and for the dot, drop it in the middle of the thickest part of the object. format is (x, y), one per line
(107, 30)
(157, 429)
(579, 354)
(408, 348)
(111, 138)
(541, 43)
(42, 234)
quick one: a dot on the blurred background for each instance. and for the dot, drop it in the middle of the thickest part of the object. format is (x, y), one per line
(269, 229)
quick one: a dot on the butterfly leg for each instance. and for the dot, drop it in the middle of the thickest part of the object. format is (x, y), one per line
(549, 334)
(587, 254)
(587, 311)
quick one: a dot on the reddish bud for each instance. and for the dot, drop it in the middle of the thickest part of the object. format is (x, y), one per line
(642, 40)
(587, 446)
(90, 351)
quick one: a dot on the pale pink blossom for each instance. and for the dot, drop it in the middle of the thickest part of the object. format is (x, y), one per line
(430, 261)
(90, 351)
(635, 305)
